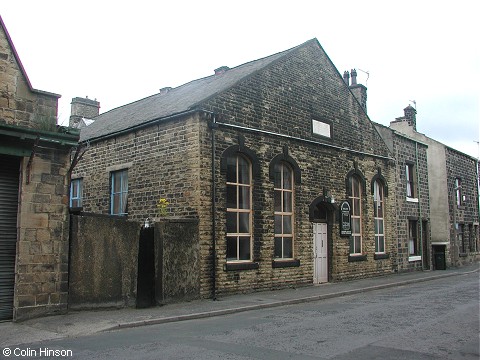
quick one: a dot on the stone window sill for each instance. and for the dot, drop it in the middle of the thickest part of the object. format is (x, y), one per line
(285, 263)
(414, 258)
(353, 258)
(414, 200)
(381, 256)
(241, 266)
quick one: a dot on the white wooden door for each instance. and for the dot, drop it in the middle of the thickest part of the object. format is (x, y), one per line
(320, 258)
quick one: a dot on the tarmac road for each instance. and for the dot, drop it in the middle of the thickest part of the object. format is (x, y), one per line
(437, 319)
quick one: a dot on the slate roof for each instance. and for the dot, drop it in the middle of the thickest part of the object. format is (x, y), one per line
(178, 100)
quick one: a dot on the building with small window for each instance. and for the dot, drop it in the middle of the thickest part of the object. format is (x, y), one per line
(277, 159)
(412, 197)
(449, 235)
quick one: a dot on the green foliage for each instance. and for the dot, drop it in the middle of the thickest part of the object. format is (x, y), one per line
(162, 205)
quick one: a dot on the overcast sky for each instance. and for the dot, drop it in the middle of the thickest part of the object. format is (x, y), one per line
(121, 51)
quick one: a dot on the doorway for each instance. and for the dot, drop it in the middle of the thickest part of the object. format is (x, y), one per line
(320, 253)
(146, 269)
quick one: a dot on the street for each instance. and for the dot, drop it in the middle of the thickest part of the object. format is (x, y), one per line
(429, 320)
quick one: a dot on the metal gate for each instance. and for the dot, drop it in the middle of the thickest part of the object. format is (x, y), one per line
(9, 178)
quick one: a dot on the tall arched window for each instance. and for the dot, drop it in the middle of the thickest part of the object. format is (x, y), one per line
(283, 197)
(378, 214)
(239, 208)
(356, 201)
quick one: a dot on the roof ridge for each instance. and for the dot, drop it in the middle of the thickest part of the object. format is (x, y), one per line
(211, 76)
(277, 56)
(186, 97)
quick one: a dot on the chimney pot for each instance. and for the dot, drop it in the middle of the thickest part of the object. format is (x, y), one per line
(354, 76)
(346, 77)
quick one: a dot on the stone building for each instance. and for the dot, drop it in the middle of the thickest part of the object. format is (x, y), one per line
(453, 196)
(412, 197)
(277, 159)
(34, 162)
(463, 214)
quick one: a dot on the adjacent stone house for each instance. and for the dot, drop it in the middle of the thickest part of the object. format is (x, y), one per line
(277, 159)
(452, 191)
(34, 165)
(412, 197)
(462, 190)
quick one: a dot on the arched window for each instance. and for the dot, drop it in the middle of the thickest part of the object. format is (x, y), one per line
(283, 198)
(378, 216)
(356, 201)
(239, 208)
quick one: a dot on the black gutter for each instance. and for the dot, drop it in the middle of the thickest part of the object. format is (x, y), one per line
(213, 126)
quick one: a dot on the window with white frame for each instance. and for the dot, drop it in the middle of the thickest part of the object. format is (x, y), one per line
(76, 193)
(239, 209)
(283, 199)
(118, 192)
(413, 247)
(378, 217)
(410, 182)
(356, 202)
(458, 191)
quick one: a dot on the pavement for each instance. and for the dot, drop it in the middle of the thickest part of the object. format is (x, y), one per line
(81, 323)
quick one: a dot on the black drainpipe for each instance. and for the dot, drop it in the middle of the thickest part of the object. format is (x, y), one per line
(213, 126)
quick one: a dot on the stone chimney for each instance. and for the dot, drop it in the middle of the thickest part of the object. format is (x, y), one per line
(358, 90)
(410, 117)
(82, 108)
(346, 77)
(221, 70)
(354, 76)
(165, 90)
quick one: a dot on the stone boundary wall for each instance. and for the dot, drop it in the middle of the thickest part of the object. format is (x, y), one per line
(103, 261)
(177, 260)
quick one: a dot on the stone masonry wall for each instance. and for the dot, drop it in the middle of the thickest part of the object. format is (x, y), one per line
(41, 282)
(406, 151)
(322, 168)
(464, 167)
(162, 162)
(284, 99)
(18, 105)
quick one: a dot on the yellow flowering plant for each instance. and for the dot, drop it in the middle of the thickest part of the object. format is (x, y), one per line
(162, 205)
